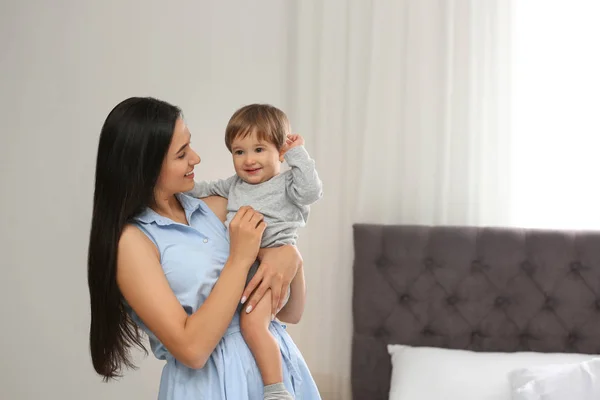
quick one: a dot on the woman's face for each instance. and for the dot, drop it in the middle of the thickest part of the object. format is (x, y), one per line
(177, 173)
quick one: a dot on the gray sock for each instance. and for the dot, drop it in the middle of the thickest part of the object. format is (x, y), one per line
(277, 391)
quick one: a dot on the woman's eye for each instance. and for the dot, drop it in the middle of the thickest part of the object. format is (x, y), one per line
(181, 156)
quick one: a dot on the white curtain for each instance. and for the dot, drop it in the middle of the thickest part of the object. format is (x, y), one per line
(556, 124)
(404, 105)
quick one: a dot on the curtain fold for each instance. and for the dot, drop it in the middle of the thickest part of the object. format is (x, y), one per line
(404, 106)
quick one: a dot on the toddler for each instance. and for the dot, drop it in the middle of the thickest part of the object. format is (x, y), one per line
(259, 139)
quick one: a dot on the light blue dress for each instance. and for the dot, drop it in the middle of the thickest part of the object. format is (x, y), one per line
(192, 258)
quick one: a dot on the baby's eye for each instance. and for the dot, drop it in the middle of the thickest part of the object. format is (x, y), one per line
(238, 152)
(259, 150)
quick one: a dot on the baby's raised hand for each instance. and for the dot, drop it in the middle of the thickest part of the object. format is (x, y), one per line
(293, 141)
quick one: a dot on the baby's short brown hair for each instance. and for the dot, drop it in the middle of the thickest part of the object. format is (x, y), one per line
(268, 122)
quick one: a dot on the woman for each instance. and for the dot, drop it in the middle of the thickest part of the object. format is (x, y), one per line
(163, 262)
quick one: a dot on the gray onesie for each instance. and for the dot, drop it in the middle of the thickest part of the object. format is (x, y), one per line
(283, 200)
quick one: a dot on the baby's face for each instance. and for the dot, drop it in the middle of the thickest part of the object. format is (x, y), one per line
(255, 161)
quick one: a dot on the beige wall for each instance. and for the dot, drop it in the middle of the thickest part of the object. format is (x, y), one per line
(63, 66)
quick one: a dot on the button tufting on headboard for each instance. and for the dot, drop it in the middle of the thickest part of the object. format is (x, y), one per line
(550, 303)
(478, 266)
(575, 266)
(404, 298)
(528, 267)
(452, 300)
(429, 263)
(381, 332)
(501, 301)
(485, 289)
(572, 338)
(476, 335)
(524, 336)
(381, 262)
(428, 332)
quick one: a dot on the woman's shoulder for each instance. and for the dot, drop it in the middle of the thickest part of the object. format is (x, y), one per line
(133, 239)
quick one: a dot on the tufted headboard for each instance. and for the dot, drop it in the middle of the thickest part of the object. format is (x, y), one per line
(483, 289)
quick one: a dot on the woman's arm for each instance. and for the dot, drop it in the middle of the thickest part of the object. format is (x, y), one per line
(189, 338)
(279, 266)
(293, 310)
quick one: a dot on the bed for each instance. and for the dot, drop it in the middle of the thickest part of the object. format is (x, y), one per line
(481, 290)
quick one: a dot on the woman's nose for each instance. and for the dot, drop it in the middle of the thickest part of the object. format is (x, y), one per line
(195, 160)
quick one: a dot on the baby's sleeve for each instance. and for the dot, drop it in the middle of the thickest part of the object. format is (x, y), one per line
(303, 186)
(220, 187)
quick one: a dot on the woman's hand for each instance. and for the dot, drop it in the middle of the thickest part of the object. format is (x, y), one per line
(245, 232)
(278, 266)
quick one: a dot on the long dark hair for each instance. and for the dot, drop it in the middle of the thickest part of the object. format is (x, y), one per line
(133, 143)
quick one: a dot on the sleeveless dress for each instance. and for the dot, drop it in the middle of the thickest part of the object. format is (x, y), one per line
(192, 258)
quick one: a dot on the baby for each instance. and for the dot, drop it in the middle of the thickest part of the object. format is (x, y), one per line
(259, 139)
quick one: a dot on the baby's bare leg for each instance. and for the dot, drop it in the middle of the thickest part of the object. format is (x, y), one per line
(265, 349)
(262, 344)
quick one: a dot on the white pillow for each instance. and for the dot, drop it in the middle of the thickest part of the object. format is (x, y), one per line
(579, 381)
(426, 373)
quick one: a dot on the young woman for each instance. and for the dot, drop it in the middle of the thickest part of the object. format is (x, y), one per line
(163, 262)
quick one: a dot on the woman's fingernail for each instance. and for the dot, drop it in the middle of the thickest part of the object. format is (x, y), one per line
(248, 309)
(243, 300)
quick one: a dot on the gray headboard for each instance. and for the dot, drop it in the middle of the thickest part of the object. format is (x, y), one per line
(483, 289)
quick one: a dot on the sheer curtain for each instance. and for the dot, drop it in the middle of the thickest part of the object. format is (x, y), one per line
(556, 128)
(404, 105)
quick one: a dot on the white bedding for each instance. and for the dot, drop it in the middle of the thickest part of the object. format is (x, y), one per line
(579, 381)
(424, 373)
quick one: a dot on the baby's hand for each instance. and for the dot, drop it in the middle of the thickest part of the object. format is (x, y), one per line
(293, 141)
